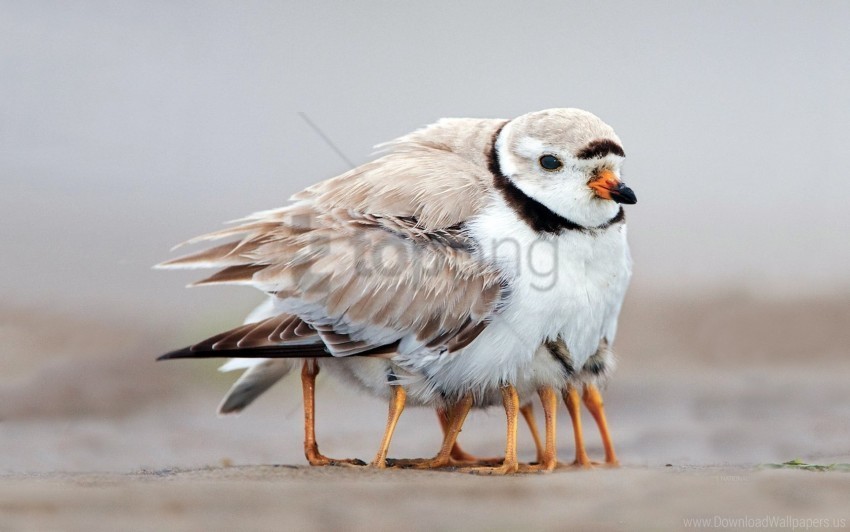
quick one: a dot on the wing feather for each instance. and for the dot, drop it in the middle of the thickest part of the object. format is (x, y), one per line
(374, 255)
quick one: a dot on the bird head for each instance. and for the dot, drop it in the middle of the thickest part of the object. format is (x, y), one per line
(568, 160)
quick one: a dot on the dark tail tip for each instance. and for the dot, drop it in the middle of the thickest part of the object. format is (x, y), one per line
(186, 352)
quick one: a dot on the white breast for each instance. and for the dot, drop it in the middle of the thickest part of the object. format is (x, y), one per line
(571, 284)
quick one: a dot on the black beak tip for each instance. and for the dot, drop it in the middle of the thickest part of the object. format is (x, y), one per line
(623, 194)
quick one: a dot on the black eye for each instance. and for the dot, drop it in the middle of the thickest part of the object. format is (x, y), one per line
(550, 162)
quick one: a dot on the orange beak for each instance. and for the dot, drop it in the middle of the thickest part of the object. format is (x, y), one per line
(607, 186)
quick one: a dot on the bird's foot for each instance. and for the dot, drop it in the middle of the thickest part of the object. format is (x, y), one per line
(507, 468)
(320, 460)
(437, 462)
(466, 459)
(544, 466)
(578, 465)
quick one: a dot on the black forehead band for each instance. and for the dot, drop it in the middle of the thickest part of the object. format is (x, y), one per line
(600, 148)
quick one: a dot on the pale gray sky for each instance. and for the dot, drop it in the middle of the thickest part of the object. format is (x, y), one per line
(126, 127)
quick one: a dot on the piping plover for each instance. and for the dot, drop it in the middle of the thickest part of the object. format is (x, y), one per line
(432, 256)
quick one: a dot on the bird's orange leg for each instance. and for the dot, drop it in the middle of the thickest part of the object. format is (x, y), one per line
(527, 412)
(549, 459)
(311, 448)
(397, 400)
(458, 455)
(456, 415)
(510, 399)
(593, 401)
(573, 403)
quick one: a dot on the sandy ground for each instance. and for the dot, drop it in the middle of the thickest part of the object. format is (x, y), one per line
(300, 498)
(94, 435)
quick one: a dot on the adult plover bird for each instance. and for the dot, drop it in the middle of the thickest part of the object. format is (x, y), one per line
(455, 255)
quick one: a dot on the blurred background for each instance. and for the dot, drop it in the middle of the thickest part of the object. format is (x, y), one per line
(127, 127)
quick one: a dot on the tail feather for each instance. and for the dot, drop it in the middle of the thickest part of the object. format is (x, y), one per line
(274, 351)
(253, 383)
(280, 336)
(277, 351)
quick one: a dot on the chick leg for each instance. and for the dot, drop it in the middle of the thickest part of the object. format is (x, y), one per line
(510, 399)
(593, 401)
(457, 453)
(549, 458)
(397, 401)
(573, 403)
(527, 412)
(459, 456)
(311, 448)
(454, 422)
